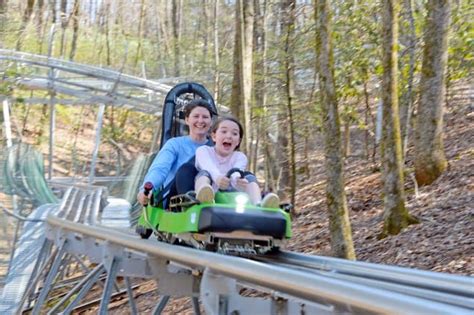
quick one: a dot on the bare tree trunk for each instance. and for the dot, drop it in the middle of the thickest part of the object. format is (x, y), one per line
(102, 28)
(164, 26)
(3, 27)
(339, 224)
(107, 39)
(367, 114)
(281, 149)
(347, 138)
(281, 155)
(247, 67)
(407, 97)
(64, 23)
(42, 124)
(75, 29)
(289, 66)
(141, 20)
(177, 22)
(261, 96)
(159, 40)
(430, 160)
(236, 95)
(396, 216)
(256, 129)
(216, 52)
(243, 61)
(40, 26)
(259, 69)
(205, 33)
(24, 22)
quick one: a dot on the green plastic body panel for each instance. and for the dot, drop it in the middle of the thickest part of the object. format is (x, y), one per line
(188, 221)
(229, 198)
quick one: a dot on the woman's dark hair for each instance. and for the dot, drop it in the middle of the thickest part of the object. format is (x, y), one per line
(216, 125)
(197, 103)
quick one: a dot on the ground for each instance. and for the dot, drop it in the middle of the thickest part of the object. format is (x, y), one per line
(444, 239)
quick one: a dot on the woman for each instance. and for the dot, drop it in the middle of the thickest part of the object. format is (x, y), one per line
(178, 151)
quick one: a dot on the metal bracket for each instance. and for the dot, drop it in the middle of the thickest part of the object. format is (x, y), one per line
(174, 279)
(220, 295)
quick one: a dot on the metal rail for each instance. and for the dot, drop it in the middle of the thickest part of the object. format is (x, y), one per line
(81, 83)
(17, 216)
(346, 295)
(450, 289)
(459, 285)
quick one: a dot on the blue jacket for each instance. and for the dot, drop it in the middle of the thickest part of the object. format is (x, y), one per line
(174, 153)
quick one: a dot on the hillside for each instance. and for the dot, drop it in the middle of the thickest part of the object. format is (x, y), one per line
(443, 241)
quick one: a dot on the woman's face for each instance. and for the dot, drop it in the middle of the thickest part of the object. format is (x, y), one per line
(199, 122)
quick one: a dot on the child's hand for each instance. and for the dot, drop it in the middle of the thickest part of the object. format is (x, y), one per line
(223, 182)
(241, 183)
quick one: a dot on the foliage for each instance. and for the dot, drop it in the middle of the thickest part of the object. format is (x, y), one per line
(111, 38)
(461, 42)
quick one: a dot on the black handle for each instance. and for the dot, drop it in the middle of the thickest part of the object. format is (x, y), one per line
(235, 170)
(147, 188)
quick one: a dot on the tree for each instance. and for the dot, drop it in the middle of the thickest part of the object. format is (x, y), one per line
(396, 216)
(243, 78)
(430, 160)
(235, 99)
(282, 142)
(3, 20)
(177, 7)
(75, 28)
(216, 51)
(339, 225)
(139, 53)
(407, 95)
(289, 68)
(261, 92)
(24, 22)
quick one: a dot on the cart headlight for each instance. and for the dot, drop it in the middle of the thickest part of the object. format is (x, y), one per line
(240, 202)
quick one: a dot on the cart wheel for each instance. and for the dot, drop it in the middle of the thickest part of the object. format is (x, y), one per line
(143, 232)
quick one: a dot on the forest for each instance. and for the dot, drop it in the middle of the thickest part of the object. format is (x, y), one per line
(357, 112)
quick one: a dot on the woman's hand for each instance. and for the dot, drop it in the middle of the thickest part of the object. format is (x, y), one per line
(142, 199)
(241, 184)
(223, 182)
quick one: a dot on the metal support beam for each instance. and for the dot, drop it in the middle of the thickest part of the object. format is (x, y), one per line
(52, 127)
(100, 118)
(32, 283)
(131, 298)
(220, 295)
(49, 279)
(90, 278)
(109, 283)
(161, 305)
(41, 261)
(196, 309)
(86, 285)
(7, 123)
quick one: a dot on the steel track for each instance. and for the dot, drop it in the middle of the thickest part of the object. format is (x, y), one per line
(451, 289)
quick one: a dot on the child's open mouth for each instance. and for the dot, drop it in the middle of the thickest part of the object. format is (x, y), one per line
(227, 145)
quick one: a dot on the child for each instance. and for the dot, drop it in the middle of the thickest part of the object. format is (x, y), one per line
(214, 162)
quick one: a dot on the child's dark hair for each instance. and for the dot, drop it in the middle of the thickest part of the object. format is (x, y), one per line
(199, 102)
(216, 125)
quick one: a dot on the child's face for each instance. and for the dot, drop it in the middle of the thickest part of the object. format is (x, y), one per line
(226, 138)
